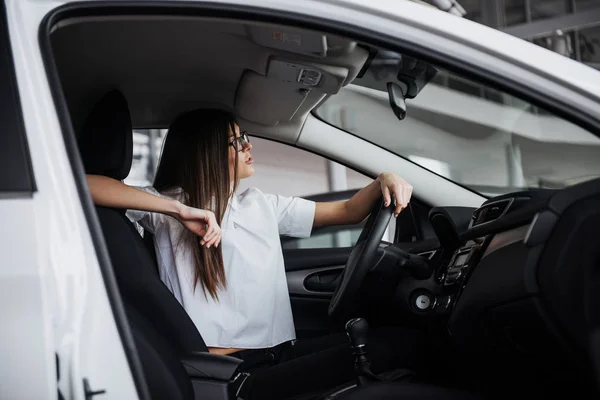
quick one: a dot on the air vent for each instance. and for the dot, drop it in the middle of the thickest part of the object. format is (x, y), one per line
(490, 212)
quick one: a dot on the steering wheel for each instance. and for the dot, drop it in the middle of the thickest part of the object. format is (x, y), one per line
(361, 259)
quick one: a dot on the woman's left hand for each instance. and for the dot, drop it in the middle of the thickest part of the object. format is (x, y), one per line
(392, 184)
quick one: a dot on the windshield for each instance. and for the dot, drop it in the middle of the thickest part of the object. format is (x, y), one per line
(472, 134)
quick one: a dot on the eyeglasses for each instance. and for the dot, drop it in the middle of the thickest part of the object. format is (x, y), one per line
(239, 143)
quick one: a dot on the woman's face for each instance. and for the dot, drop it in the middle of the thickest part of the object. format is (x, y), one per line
(237, 144)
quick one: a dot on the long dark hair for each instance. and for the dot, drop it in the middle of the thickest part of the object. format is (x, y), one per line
(195, 158)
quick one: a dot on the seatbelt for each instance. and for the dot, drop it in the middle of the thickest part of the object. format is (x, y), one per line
(241, 391)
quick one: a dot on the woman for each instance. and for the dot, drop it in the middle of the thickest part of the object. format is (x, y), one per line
(232, 280)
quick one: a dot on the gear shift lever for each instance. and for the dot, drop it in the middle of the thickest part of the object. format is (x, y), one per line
(357, 330)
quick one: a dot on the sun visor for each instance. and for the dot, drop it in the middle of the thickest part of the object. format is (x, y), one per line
(266, 101)
(287, 87)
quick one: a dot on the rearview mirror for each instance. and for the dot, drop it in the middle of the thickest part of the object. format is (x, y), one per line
(397, 102)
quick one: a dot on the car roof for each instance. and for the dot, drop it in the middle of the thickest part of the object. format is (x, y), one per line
(535, 59)
(451, 26)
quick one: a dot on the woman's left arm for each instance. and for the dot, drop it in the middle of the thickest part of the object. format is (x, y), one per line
(359, 206)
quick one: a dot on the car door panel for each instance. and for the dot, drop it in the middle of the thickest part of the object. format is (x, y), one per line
(312, 276)
(310, 293)
(315, 282)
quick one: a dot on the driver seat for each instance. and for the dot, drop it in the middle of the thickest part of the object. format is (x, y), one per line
(167, 341)
(163, 332)
(106, 147)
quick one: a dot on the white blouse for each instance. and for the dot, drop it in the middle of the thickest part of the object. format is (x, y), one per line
(254, 310)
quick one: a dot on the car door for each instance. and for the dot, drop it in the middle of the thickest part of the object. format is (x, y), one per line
(413, 28)
(313, 266)
(64, 334)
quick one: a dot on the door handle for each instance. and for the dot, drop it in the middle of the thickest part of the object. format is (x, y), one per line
(324, 281)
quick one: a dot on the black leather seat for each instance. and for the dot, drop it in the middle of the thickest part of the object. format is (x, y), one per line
(174, 357)
(163, 332)
(164, 373)
(106, 146)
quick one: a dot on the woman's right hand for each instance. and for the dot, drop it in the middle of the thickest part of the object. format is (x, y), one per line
(201, 222)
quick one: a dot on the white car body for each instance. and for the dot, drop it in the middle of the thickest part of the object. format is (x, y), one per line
(52, 293)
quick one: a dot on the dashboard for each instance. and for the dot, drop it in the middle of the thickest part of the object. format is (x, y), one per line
(489, 269)
(516, 289)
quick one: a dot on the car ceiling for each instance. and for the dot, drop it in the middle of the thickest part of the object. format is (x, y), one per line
(167, 65)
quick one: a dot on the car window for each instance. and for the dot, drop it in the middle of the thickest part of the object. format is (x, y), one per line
(280, 169)
(147, 144)
(331, 237)
(16, 175)
(289, 171)
(467, 132)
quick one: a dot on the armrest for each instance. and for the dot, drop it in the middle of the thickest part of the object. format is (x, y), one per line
(210, 366)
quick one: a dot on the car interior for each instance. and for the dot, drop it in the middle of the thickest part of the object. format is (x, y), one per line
(505, 293)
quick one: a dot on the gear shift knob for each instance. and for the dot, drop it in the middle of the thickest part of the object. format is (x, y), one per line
(358, 331)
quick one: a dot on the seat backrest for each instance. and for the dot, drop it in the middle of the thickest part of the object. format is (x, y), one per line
(568, 271)
(165, 375)
(563, 243)
(105, 144)
(140, 285)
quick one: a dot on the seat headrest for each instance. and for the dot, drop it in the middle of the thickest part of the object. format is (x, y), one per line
(106, 139)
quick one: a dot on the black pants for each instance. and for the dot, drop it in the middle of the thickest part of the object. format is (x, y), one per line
(314, 366)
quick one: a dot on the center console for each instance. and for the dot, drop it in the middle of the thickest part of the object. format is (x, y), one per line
(454, 274)
(458, 267)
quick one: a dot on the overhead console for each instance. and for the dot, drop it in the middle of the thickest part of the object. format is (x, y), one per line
(300, 41)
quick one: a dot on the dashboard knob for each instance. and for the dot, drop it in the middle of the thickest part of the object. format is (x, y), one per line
(423, 302)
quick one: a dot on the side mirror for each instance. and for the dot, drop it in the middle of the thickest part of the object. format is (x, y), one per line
(397, 102)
